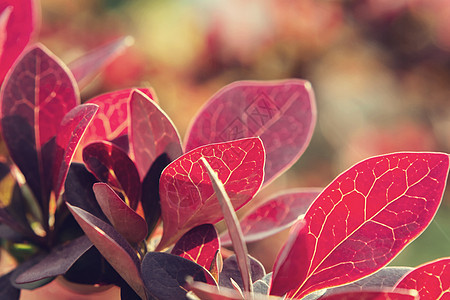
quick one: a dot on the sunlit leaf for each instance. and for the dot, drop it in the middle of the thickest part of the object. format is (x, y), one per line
(373, 295)
(361, 221)
(281, 113)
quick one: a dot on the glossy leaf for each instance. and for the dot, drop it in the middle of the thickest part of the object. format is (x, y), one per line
(113, 166)
(281, 113)
(111, 120)
(200, 245)
(113, 247)
(231, 271)
(274, 215)
(385, 278)
(373, 295)
(18, 21)
(431, 280)
(187, 195)
(165, 275)
(243, 262)
(85, 68)
(361, 221)
(34, 99)
(72, 128)
(7, 290)
(125, 220)
(151, 133)
(57, 262)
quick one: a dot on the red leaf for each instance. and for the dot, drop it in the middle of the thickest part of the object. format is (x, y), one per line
(114, 248)
(125, 220)
(373, 295)
(281, 113)
(199, 245)
(86, 67)
(361, 221)
(152, 133)
(431, 280)
(187, 196)
(113, 166)
(274, 215)
(72, 128)
(18, 20)
(35, 97)
(111, 121)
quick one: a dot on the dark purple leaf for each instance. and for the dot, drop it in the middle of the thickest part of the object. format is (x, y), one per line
(281, 113)
(113, 166)
(431, 280)
(274, 215)
(361, 221)
(7, 290)
(111, 120)
(242, 259)
(187, 195)
(261, 286)
(231, 271)
(85, 68)
(200, 245)
(125, 220)
(113, 247)
(151, 133)
(165, 275)
(18, 21)
(34, 99)
(72, 128)
(57, 262)
(24, 267)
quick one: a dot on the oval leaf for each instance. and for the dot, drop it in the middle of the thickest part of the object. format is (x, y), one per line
(200, 245)
(35, 97)
(111, 120)
(114, 248)
(230, 272)
(281, 113)
(187, 195)
(165, 275)
(361, 221)
(72, 128)
(274, 215)
(113, 166)
(431, 280)
(152, 133)
(125, 220)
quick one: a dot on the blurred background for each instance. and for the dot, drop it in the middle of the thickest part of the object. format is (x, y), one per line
(380, 70)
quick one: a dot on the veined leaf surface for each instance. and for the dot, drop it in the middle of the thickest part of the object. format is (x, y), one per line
(431, 280)
(281, 113)
(361, 221)
(187, 195)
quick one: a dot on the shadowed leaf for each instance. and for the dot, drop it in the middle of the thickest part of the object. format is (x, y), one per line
(274, 215)
(231, 271)
(125, 220)
(431, 280)
(361, 221)
(187, 196)
(113, 166)
(151, 133)
(7, 290)
(281, 113)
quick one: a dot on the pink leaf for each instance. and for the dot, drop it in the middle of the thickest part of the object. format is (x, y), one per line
(125, 220)
(18, 21)
(431, 280)
(35, 97)
(112, 119)
(187, 196)
(111, 165)
(373, 295)
(274, 215)
(199, 245)
(152, 133)
(72, 128)
(281, 113)
(361, 221)
(88, 66)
